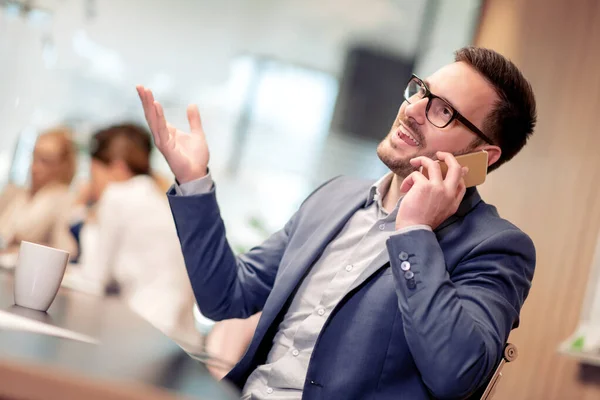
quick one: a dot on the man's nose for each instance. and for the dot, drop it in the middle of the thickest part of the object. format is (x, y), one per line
(417, 110)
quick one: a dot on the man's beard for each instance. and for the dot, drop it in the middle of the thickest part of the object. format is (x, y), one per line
(401, 165)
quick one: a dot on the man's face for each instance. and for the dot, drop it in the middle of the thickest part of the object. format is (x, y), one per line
(466, 90)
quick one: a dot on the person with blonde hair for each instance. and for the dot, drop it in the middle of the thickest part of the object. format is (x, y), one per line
(35, 213)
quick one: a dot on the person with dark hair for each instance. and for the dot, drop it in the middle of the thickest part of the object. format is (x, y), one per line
(404, 288)
(130, 242)
(37, 213)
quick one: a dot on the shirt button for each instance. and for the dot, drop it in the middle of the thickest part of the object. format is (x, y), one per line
(405, 265)
(321, 311)
(411, 284)
(295, 353)
(403, 256)
(382, 227)
(349, 267)
(269, 390)
(409, 275)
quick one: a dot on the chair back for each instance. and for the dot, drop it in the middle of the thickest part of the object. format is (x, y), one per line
(487, 392)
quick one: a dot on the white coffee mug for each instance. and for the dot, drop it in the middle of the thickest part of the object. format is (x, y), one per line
(39, 272)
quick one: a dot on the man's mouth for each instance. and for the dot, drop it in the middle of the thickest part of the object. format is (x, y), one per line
(407, 136)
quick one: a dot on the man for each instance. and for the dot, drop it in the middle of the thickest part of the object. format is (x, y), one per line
(402, 289)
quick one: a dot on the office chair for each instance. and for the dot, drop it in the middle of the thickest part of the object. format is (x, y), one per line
(487, 392)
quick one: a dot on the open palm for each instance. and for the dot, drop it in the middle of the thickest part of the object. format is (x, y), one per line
(186, 153)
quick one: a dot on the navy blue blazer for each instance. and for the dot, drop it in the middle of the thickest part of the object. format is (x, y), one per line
(439, 334)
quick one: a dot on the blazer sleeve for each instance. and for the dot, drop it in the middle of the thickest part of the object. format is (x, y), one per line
(225, 286)
(456, 323)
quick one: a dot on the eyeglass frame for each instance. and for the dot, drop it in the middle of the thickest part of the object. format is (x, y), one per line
(455, 115)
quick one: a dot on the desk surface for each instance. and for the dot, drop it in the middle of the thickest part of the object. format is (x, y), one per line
(130, 349)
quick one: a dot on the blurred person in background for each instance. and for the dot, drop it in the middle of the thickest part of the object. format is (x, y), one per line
(36, 214)
(84, 209)
(406, 287)
(128, 240)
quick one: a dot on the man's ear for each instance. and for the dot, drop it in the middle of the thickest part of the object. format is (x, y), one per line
(494, 153)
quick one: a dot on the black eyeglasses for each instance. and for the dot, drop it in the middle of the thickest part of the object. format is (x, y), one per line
(439, 112)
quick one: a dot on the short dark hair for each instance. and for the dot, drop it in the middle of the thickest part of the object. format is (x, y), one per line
(130, 143)
(511, 121)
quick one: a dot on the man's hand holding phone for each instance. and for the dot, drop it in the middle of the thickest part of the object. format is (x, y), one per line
(431, 200)
(186, 153)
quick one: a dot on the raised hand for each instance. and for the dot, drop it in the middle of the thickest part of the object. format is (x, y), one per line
(431, 201)
(186, 153)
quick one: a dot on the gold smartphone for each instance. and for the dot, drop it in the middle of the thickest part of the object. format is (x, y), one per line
(476, 162)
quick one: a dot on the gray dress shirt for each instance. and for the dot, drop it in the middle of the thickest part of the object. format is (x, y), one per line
(359, 244)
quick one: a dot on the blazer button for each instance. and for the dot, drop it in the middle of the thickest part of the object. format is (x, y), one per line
(403, 256)
(411, 284)
(409, 275)
(405, 265)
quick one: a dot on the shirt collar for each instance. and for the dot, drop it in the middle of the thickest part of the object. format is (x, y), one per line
(379, 189)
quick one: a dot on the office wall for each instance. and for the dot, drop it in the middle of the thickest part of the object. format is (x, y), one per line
(551, 189)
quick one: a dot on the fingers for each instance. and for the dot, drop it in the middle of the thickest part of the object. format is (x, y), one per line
(454, 173)
(154, 122)
(411, 180)
(452, 184)
(146, 103)
(161, 125)
(433, 168)
(149, 111)
(141, 93)
(460, 193)
(194, 119)
(461, 190)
